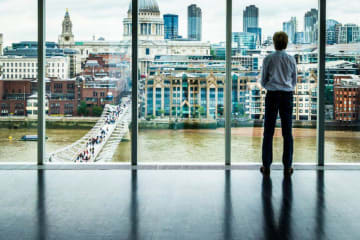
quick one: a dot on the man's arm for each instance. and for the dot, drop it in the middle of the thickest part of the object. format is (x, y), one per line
(294, 74)
(264, 73)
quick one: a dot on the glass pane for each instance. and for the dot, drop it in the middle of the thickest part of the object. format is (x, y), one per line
(182, 84)
(342, 83)
(18, 84)
(88, 81)
(254, 23)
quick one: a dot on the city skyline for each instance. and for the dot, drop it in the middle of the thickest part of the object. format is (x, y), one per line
(88, 23)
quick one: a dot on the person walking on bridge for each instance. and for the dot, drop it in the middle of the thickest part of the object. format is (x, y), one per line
(279, 77)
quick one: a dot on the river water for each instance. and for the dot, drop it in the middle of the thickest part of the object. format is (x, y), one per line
(193, 145)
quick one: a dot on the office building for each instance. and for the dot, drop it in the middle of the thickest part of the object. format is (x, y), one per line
(258, 33)
(218, 50)
(29, 49)
(291, 28)
(347, 97)
(299, 38)
(310, 26)
(349, 33)
(195, 89)
(18, 68)
(245, 41)
(250, 18)
(331, 33)
(251, 63)
(171, 26)
(194, 22)
(196, 93)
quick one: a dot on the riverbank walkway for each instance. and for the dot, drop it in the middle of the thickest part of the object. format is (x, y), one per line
(100, 143)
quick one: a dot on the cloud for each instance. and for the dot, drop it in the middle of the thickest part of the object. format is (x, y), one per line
(18, 20)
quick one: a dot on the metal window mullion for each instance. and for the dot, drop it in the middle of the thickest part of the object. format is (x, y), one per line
(134, 105)
(41, 83)
(320, 140)
(228, 83)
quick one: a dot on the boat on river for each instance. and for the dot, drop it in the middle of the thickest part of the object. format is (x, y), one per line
(30, 138)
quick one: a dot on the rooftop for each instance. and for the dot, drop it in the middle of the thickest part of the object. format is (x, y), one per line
(146, 6)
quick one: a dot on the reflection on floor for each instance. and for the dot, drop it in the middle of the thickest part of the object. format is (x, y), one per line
(172, 204)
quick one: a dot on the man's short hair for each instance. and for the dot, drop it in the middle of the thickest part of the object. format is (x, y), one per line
(280, 40)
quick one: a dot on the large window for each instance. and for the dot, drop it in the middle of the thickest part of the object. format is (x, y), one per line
(181, 80)
(342, 83)
(18, 81)
(182, 100)
(88, 85)
(254, 23)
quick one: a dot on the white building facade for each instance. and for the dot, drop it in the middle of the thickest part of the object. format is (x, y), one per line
(16, 68)
(32, 106)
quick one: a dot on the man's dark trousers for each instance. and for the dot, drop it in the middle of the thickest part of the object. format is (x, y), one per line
(278, 102)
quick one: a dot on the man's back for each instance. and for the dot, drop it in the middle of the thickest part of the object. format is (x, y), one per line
(279, 78)
(279, 72)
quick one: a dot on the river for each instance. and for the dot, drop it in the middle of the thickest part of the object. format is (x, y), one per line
(193, 145)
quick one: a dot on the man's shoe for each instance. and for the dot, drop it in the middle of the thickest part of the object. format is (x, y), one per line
(265, 171)
(288, 171)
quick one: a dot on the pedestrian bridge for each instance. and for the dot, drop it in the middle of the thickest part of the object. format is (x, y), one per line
(100, 143)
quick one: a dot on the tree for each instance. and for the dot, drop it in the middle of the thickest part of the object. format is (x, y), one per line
(239, 108)
(201, 111)
(220, 109)
(161, 112)
(193, 113)
(96, 111)
(329, 95)
(83, 109)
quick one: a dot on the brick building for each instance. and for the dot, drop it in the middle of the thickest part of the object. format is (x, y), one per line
(347, 98)
(113, 65)
(98, 92)
(63, 96)
(13, 95)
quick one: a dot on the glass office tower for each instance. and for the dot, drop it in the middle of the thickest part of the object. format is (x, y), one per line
(290, 27)
(310, 25)
(171, 26)
(194, 22)
(250, 17)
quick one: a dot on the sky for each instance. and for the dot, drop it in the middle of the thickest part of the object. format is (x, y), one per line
(103, 18)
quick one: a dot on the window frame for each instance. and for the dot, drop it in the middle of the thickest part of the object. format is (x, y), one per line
(134, 72)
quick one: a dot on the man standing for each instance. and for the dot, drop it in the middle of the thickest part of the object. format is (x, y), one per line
(279, 79)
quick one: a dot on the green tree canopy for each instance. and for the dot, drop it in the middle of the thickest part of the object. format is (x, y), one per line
(83, 109)
(96, 111)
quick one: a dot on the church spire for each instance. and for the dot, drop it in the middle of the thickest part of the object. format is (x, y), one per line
(66, 36)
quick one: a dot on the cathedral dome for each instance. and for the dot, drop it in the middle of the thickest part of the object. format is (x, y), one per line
(146, 6)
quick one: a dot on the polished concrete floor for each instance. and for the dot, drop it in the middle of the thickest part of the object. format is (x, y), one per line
(178, 204)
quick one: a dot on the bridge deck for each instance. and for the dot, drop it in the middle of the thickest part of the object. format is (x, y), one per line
(112, 125)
